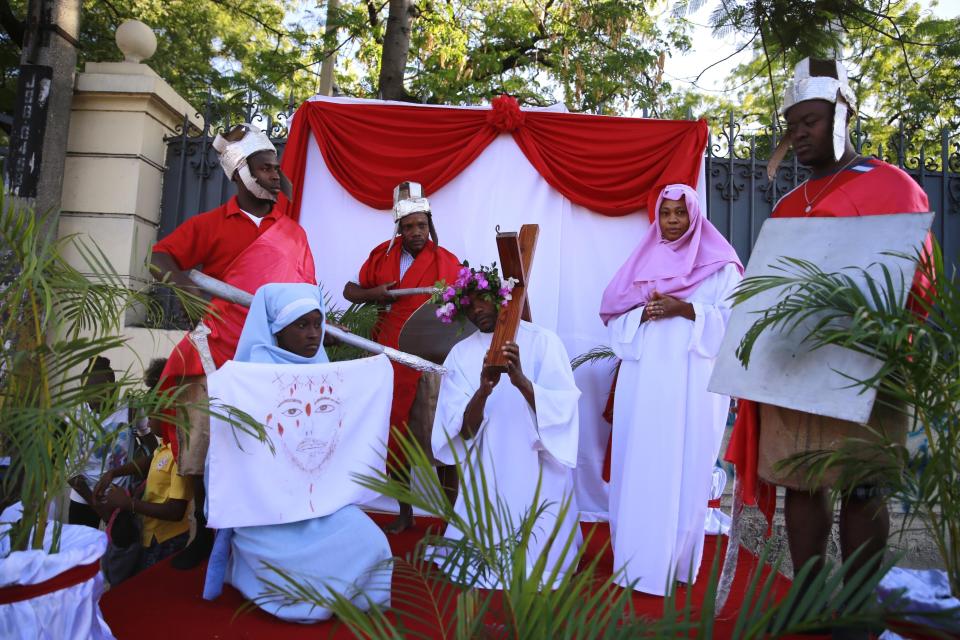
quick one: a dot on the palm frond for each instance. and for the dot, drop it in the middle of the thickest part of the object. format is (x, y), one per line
(55, 318)
(599, 353)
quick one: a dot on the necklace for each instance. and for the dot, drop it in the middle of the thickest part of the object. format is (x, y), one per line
(810, 201)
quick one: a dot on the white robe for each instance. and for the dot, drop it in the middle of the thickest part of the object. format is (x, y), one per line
(515, 443)
(667, 430)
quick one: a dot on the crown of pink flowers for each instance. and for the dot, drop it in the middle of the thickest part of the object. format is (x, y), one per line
(483, 283)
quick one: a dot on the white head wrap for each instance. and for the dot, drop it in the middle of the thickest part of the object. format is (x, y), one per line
(233, 157)
(805, 86)
(408, 199)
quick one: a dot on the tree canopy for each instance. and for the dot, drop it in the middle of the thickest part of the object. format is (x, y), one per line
(904, 63)
(603, 56)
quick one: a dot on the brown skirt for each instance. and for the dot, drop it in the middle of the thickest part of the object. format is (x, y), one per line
(786, 432)
(193, 450)
(423, 411)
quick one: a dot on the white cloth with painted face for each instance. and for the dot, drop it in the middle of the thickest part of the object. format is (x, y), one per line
(294, 509)
(515, 445)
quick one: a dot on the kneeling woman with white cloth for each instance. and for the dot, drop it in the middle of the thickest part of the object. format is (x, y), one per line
(344, 551)
(667, 310)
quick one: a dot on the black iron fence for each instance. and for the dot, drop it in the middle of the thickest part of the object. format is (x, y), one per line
(739, 196)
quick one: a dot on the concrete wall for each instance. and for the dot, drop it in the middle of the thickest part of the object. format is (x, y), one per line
(112, 181)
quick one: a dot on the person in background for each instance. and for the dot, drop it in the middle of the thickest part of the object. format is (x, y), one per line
(163, 507)
(100, 450)
(417, 260)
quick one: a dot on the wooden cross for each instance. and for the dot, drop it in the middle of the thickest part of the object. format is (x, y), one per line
(516, 260)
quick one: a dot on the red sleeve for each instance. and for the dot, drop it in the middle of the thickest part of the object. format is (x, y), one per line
(190, 243)
(371, 271)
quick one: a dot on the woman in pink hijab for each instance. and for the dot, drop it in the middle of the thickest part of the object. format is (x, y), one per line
(667, 310)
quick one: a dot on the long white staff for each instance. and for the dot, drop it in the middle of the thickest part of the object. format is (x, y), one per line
(416, 291)
(231, 293)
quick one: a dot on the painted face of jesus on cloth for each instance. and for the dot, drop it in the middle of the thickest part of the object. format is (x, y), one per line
(308, 419)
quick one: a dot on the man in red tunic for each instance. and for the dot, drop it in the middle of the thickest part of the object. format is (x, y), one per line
(817, 106)
(416, 261)
(249, 241)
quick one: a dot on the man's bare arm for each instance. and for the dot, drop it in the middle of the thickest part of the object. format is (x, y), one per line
(165, 269)
(377, 295)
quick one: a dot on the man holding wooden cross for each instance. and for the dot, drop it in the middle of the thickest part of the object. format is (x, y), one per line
(510, 399)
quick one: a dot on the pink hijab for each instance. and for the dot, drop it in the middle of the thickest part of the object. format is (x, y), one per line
(676, 268)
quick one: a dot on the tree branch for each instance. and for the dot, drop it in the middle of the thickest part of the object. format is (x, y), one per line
(251, 16)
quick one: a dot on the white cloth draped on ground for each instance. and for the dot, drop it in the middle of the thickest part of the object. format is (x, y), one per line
(326, 421)
(920, 591)
(72, 613)
(515, 444)
(667, 431)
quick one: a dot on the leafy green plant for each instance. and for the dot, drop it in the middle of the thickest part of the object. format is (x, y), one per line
(359, 319)
(54, 320)
(438, 596)
(863, 310)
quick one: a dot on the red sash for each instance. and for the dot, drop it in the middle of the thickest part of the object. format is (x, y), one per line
(280, 254)
(69, 578)
(431, 264)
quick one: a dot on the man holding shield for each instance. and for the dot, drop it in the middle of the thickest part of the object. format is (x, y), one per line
(817, 106)
(417, 260)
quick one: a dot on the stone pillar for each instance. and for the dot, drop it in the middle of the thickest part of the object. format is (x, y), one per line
(114, 169)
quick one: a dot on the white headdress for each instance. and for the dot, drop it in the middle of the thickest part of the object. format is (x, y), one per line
(234, 154)
(408, 199)
(829, 84)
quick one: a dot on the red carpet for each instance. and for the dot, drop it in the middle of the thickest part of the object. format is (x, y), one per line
(164, 603)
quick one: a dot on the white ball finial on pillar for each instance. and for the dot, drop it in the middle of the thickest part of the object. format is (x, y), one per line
(136, 41)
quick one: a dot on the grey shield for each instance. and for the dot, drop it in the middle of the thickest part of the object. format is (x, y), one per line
(783, 370)
(424, 335)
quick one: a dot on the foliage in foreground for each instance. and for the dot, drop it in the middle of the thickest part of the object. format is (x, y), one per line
(54, 320)
(864, 310)
(436, 597)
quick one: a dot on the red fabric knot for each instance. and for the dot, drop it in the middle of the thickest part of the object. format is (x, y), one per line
(505, 115)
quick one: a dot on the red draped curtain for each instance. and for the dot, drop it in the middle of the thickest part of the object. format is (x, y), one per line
(611, 165)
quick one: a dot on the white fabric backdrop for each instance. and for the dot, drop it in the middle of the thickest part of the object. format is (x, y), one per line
(577, 254)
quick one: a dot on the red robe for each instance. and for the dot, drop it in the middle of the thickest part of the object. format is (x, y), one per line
(433, 263)
(280, 254)
(871, 187)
